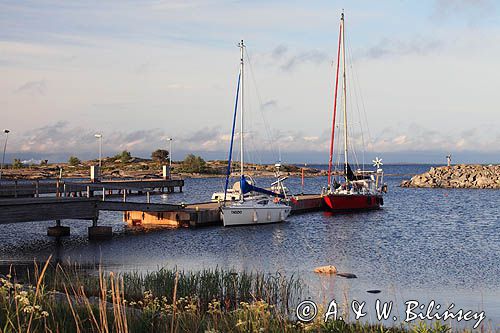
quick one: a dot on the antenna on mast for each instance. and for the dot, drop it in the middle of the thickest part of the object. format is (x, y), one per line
(241, 45)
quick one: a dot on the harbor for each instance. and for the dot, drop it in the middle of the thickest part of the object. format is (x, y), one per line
(237, 166)
(373, 245)
(88, 206)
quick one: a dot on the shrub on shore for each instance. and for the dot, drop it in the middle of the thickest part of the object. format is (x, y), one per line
(160, 155)
(74, 161)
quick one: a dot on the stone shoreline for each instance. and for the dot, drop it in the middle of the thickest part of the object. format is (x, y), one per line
(457, 176)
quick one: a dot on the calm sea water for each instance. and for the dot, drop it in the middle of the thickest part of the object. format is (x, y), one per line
(425, 244)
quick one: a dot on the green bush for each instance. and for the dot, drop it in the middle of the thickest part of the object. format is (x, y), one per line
(74, 161)
(124, 157)
(17, 164)
(193, 163)
(160, 155)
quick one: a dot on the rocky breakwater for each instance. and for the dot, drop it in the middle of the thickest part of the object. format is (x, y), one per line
(458, 176)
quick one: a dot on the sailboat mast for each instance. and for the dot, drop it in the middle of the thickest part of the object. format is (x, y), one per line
(241, 45)
(344, 93)
(330, 161)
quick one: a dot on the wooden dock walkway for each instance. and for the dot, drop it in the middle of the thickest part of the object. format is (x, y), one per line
(74, 188)
(16, 210)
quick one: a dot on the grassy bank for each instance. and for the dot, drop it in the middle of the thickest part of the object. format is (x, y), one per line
(54, 298)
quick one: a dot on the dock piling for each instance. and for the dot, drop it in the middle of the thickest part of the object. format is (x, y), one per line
(58, 230)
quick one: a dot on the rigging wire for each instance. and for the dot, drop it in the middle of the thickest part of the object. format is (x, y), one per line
(355, 103)
(267, 128)
(363, 113)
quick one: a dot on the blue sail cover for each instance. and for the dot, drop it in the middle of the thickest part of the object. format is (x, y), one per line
(246, 187)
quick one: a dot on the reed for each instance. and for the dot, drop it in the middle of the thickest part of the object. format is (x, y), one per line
(74, 299)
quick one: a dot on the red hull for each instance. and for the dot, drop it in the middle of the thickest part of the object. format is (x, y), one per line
(352, 202)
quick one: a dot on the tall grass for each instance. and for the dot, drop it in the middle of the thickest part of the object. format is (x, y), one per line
(73, 299)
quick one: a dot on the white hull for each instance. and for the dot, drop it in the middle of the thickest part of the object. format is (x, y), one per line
(253, 213)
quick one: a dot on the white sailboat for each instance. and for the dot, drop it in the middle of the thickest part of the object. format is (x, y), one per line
(255, 205)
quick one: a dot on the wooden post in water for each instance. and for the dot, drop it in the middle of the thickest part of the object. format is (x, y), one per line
(148, 198)
(37, 188)
(302, 181)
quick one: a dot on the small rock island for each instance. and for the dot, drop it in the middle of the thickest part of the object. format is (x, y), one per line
(458, 176)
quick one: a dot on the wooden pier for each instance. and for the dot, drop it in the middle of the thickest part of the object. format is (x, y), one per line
(15, 210)
(80, 188)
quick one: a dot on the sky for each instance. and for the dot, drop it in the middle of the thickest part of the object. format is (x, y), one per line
(423, 77)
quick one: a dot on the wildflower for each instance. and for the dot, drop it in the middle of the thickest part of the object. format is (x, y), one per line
(190, 307)
(28, 309)
(44, 314)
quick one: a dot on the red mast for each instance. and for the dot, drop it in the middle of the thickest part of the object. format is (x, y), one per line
(335, 104)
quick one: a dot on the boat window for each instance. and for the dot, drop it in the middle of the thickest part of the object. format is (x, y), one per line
(263, 202)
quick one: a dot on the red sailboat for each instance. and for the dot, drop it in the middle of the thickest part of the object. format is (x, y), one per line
(359, 190)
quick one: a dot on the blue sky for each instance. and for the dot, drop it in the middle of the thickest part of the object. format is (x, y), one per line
(142, 71)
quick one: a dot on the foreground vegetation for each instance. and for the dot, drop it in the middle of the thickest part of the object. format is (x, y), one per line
(54, 298)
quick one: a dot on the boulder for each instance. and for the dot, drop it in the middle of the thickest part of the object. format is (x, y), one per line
(457, 176)
(330, 269)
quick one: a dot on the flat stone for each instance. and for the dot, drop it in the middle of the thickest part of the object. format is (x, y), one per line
(326, 269)
(347, 275)
(374, 291)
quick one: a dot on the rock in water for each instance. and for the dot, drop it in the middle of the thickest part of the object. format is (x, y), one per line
(374, 291)
(457, 176)
(326, 270)
(347, 275)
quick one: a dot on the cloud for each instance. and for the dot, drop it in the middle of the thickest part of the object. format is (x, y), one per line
(470, 8)
(269, 104)
(313, 56)
(178, 86)
(414, 46)
(32, 88)
(61, 137)
(279, 51)
(418, 138)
